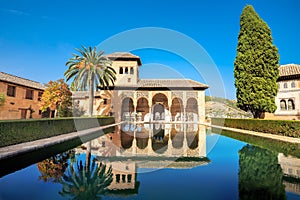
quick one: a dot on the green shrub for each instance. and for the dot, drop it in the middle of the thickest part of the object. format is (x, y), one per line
(18, 131)
(278, 127)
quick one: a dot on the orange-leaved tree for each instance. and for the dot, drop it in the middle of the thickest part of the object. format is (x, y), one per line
(57, 96)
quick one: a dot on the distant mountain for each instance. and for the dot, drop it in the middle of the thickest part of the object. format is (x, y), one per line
(221, 107)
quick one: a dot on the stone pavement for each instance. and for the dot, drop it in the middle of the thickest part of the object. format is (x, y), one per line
(26, 147)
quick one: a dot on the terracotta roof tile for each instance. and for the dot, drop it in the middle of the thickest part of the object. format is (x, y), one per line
(169, 83)
(125, 56)
(20, 81)
(289, 69)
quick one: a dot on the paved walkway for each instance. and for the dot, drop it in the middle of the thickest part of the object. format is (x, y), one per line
(26, 147)
(259, 134)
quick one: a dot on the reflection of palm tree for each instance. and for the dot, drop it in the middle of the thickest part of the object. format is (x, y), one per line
(87, 182)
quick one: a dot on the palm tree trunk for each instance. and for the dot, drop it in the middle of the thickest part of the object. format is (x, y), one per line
(91, 96)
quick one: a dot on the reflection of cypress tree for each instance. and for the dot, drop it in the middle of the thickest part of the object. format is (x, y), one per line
(86, 182)
(260, 175)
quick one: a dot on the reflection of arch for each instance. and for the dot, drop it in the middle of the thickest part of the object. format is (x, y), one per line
(126, 140)
(176, 108)
(291, 105)
(141, 140)
(282, 105)
(192, 139)
(177, 138)
(127, 107)
(142, 106)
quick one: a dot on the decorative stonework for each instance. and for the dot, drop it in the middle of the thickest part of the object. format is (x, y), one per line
(177, 95)
(191, 95)
(142, 94)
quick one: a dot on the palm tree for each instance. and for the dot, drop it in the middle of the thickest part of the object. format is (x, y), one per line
(88, 69)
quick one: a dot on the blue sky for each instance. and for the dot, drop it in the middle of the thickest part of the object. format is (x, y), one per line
(38, 37)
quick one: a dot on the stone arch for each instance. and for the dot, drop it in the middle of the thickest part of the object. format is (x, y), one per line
(142, 106)
(283, 105)
(160, 98)
(159, 139)
(291, 104)
(176, 109)
(192, 109)
(127, 107)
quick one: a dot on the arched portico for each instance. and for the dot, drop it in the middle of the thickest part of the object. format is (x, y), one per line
(192, 109)
(127, 108)
(177, 109)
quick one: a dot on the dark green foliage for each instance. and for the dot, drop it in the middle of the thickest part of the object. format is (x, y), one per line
(256, 65)
(278, 127)
(260, 175)
(274, 145)
(18, 131)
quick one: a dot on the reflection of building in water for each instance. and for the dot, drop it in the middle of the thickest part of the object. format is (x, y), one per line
(156, 140)
(177, 140)
(146, 99)
(291, 169)
(148, 146)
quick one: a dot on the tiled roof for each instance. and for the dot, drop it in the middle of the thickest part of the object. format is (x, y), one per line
(125, 56)
(289, 70)
(20, 81)
(170, 83)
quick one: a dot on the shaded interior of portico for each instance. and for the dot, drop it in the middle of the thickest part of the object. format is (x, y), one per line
(160, 107)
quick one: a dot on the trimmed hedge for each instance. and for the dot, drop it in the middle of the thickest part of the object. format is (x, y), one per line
(19, 131)
(278, 127)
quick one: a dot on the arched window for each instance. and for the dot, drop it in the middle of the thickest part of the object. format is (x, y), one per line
(131, 70)
(282, 105)
(121, 70)
(285, 85)
(126, 70)
(293, 84)
(291, 105)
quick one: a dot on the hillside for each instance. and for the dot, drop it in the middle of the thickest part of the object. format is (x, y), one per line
(220, 107)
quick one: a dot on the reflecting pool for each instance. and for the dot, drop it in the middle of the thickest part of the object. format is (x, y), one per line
(159, 161)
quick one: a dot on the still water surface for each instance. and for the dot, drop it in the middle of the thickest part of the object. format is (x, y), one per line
(156, 161)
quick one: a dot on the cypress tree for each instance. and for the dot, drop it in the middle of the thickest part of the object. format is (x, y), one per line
(256, 65)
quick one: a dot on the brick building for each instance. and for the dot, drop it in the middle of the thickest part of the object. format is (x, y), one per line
(22, 97)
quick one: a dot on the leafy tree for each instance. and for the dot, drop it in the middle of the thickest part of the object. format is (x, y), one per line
(57, 96)
(53, 168)
(90, 69)
(260, 175)
(256, 65)
(2, 99)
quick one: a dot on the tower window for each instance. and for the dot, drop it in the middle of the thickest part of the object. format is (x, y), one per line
(104, 101)
(285, 85)
(129, 80)
(121, 70)
(126, 70)
(293, 85)
(131, 70)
